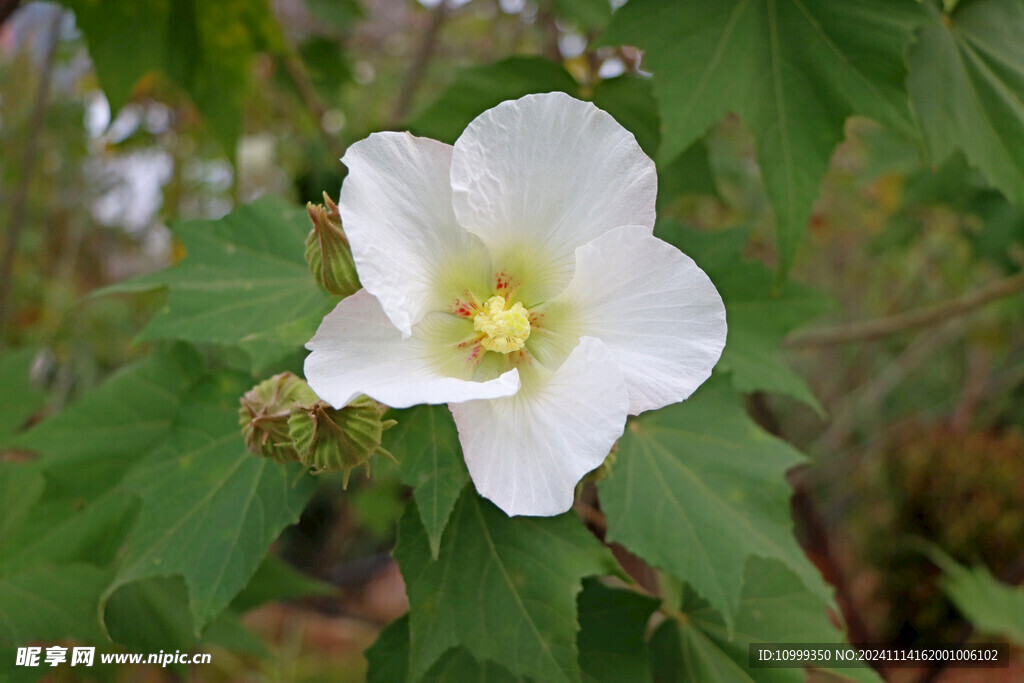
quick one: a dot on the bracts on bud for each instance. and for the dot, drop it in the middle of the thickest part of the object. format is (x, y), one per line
(326, 439)
(264, 413)
(327, 250)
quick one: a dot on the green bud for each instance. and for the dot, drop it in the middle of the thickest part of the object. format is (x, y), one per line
(327, 439)
(327, 250)
(264, 412)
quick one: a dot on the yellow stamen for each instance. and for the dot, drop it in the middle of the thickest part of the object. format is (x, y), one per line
(505, 329)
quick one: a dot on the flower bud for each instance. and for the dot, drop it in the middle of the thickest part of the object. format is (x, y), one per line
(326, 439)
(327, 250)
(264, 415)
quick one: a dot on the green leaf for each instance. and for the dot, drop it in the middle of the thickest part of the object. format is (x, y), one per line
(502, 588)
(966, 82)
(613, 624)
(87, 448)
(589, 15)
(478, 89)
(793, 70)
(206, 48)
(23, 398)
(209, 509)
(697, 488)
(243, 284)
(426, 444)
(50, 602)
(759, 314)
(274, 580)
(775, 608)
(389, 661)
(992, 606)
(631, 101)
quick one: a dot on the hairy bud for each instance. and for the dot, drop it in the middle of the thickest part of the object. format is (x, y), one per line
(326, 439)
(264, 413)
(327, 250)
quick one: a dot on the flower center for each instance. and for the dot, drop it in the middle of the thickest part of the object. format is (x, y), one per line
(506, 328)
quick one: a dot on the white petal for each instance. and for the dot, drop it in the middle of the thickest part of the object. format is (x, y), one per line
(396, 208)
(357, 350)
(657, 312)
(552, 173)
(527, 452)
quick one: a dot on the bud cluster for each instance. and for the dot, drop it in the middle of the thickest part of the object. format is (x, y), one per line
(282, 419)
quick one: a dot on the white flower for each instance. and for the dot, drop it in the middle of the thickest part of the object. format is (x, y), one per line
(515, 277)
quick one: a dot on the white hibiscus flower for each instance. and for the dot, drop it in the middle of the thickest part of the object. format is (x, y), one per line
(515, 277)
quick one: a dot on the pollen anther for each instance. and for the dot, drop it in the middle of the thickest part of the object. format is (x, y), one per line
(505, 328)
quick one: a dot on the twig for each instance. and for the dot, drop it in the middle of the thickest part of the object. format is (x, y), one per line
(7, 8)
(315, 107)
(418, 68)
(921, 317)
(19, 200)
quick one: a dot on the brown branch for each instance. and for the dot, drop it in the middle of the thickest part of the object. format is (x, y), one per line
(425, 53)
(315, 107)
(19, 200)
(7, 8)
(922, 317)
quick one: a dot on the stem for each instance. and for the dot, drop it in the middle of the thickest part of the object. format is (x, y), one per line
(425, 53)
(922, 317)
(19, 199)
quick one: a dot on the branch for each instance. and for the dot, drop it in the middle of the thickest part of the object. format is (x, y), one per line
(421, 59)
(315, 107)
(19, 200)
(922, 317)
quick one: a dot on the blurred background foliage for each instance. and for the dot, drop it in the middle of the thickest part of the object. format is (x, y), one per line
(206, 105)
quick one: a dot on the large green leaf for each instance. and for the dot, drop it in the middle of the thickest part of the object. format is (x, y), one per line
(87, 448)
(209, 509)
(794, 70)
(613, 626)
(50, 602)
(697, 488)
(992, 606)
(759, 314)
(477, 89)
(967, 84)
(426, 444)
(244, 284)
(206, 48)
(504, 589)
(22, 397)
(775, 608)
(389, 662)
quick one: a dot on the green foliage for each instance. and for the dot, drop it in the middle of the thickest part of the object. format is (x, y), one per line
(792, 70)
(504, 589)
(966, 80)
(697, 489)
(244, 284)
(760, 314)
(775, 607)
(145, 477)
(993, 607)
(24, 398)
(480, 88)
(613, 625)
(206, 48)
(431, 464)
